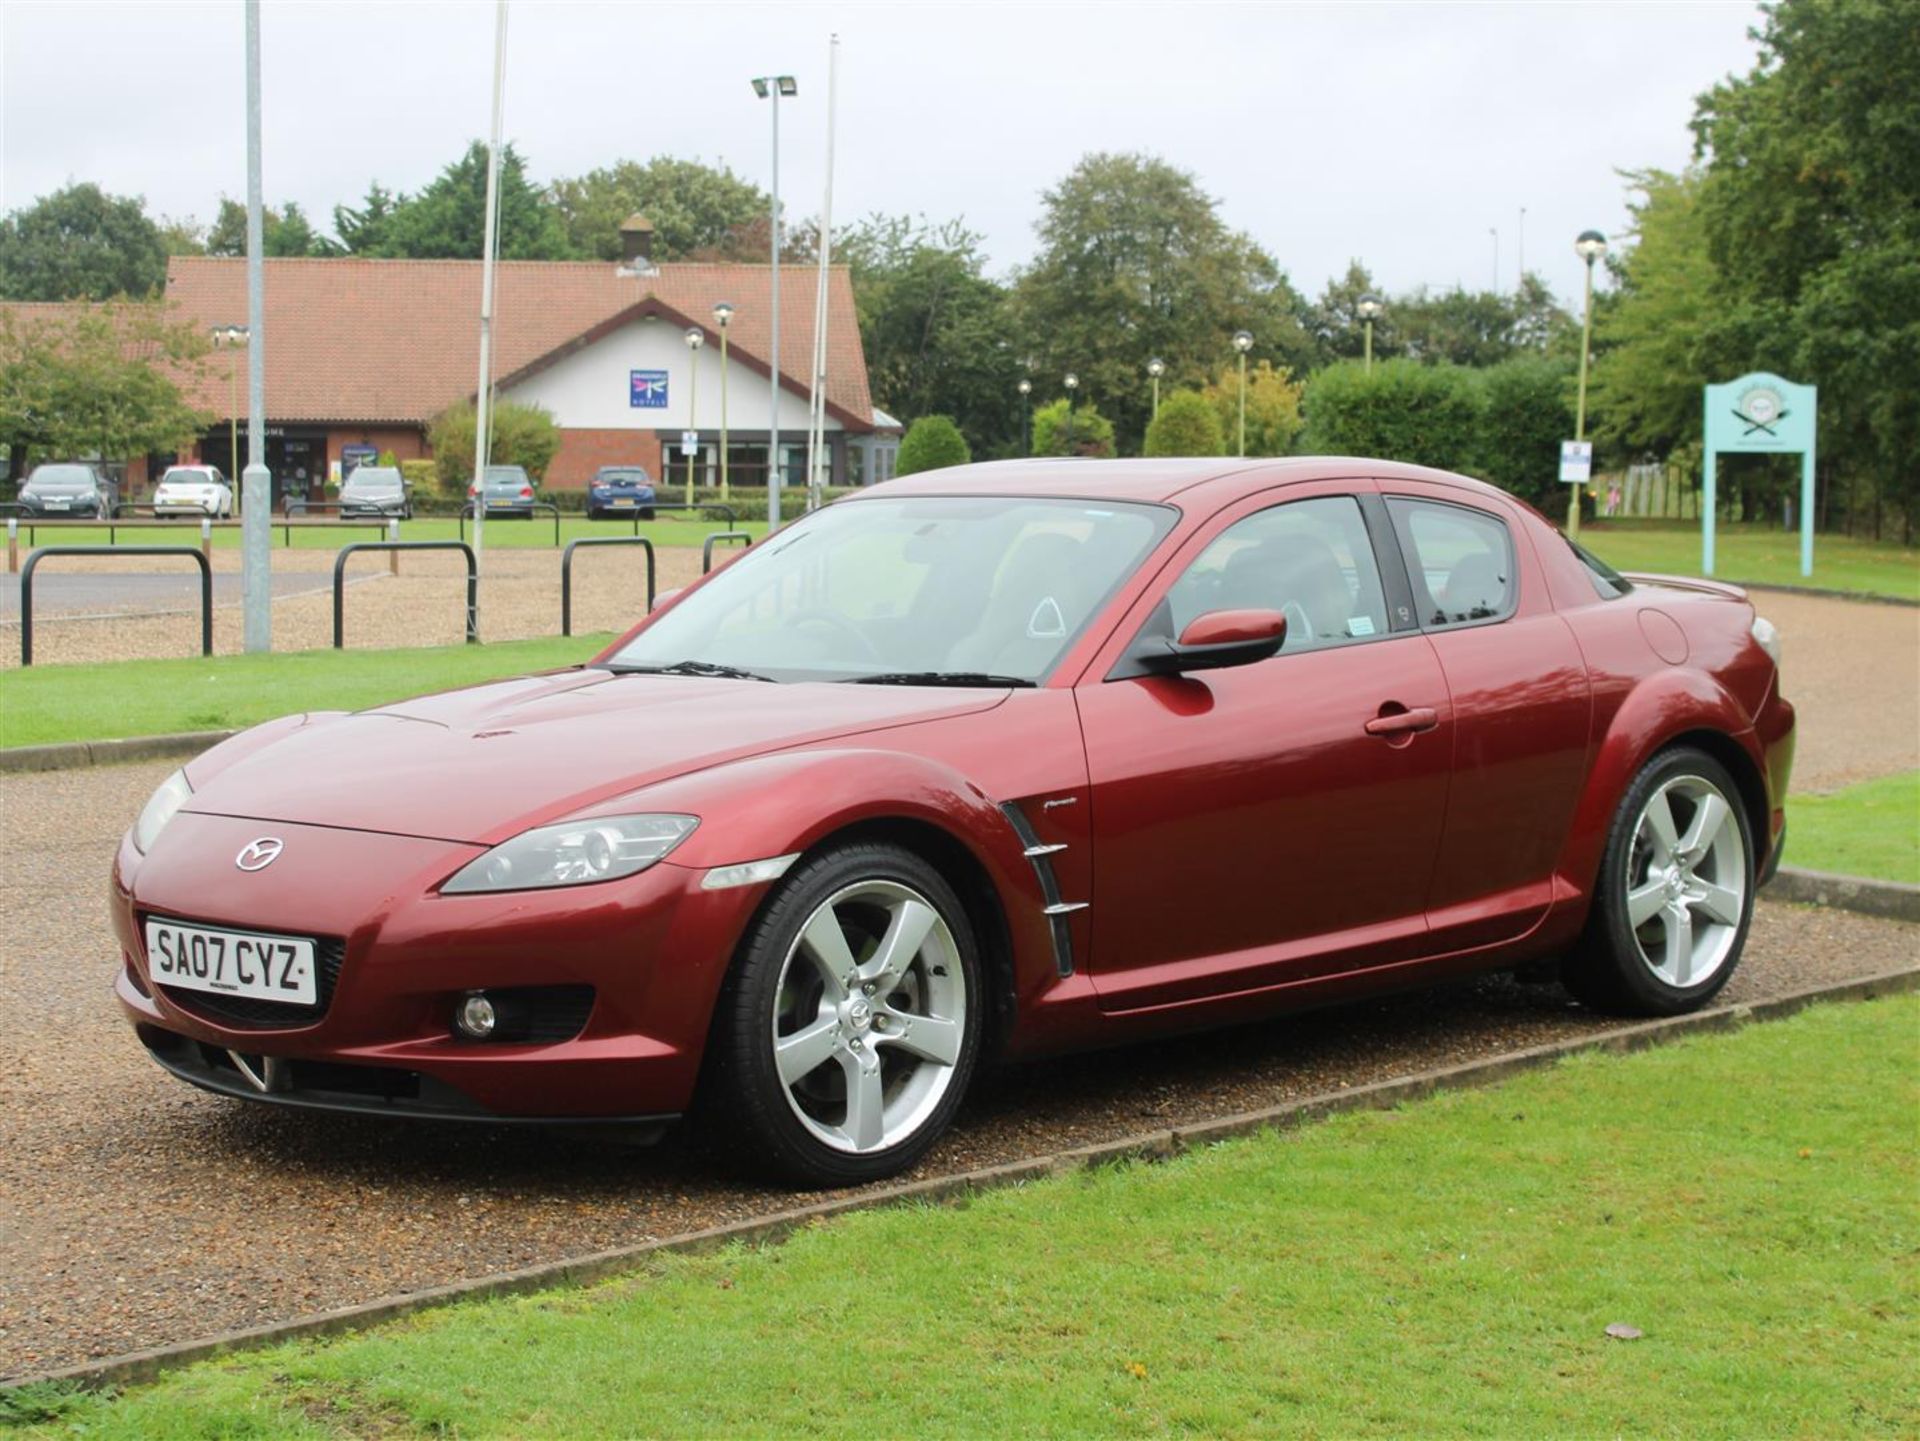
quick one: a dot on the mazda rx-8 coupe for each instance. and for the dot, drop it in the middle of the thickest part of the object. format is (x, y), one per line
(994, 761)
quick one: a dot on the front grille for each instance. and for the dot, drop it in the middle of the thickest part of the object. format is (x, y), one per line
(246, 1013)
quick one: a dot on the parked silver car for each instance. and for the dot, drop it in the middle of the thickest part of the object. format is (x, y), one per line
(376, 490)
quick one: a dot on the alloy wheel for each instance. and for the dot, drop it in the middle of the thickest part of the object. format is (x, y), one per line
(870, 1016)
(1686, 891)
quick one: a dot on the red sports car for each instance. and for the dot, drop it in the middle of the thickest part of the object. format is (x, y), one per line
(1005, 759)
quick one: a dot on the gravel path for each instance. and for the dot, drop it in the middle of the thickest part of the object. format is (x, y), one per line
(139, 1211)
(1852, 671)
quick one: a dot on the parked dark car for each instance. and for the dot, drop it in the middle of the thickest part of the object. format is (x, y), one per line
(376, 490)
(509, 492)
(69, 488)
(620, 490)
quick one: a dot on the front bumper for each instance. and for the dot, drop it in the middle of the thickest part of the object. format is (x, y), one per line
(653, 948)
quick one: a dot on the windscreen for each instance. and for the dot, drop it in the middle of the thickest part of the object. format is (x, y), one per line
(61, 477)
(946, 586)
(369, 478)
(622, 477)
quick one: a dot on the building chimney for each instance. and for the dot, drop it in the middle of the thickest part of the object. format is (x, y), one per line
(636, 245)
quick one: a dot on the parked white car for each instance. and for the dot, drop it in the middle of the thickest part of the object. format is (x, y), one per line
(193, 490)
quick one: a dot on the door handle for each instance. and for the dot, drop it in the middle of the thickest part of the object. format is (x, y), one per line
(1403, 722)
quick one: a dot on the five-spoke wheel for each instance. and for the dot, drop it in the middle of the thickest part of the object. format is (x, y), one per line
(1675, 892)
(851, 1020)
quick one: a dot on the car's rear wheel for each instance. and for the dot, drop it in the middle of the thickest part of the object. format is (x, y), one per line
(851, 1021)
(1674, 898)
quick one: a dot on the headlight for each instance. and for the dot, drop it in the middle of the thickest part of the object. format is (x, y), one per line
(172, 794)
(1768, 637)
(574, 853)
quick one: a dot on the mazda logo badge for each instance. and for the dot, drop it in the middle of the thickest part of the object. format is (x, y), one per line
(258, 855)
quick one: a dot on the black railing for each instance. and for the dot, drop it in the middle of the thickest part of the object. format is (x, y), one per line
(466, 513)
(706, 551)
(566, 572)
(719, 509)
(35, 557)
(340, 571)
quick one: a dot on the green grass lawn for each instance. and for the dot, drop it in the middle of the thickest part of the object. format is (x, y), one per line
(686, 529)
(1746, 1200)
(155, 697)
(1870, 829)
(1759, 553)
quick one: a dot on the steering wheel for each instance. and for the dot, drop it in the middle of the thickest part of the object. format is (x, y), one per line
(838, 623)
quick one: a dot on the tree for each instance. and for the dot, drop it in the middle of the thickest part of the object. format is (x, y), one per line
(1186, 425)
(284, 233)
(1135, 261)
(1274, 421)
(1400, 410)
(1810, 185)
(81, 244)
(364, 231)
(522, 434)
(1528, 411)
(934, 328)
(99, 380)
(446, 220)
(932, 442)
(1456, 327)
(1090, 434)
(694, 208)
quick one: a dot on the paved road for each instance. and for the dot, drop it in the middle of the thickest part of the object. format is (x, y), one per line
(138, 1211)
(70, 593)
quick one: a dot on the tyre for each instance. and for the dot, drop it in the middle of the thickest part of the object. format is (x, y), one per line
(1674, 897)
(647, 514)
(850, 1022)
(593, 514)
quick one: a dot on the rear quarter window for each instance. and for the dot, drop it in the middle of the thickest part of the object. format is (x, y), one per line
(1459, 559)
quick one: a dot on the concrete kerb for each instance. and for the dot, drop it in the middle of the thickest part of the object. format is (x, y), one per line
(71, 755)
(144, 1366)
(1891, 900)
(1866, 597)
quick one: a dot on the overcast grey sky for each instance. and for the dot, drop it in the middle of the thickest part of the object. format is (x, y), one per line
(1397, 133)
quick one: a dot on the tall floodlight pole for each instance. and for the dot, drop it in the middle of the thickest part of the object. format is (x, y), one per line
(489, 244)
(1072, 383)
(723, 317)
(1496, 259)
(1520, 243)
(817, 391)
(695, 339)
(1368, 308)
(773, 87)
(1026, 416)
(1243, 342)
(256, 485)
(1589, 247)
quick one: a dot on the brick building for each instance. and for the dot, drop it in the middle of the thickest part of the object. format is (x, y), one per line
(361, 355)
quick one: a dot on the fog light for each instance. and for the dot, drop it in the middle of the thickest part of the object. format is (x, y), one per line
(475, 1016)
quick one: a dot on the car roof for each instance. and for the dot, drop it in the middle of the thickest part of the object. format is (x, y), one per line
(1216, 480)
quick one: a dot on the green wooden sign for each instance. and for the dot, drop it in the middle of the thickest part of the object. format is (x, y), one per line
(1760, 414)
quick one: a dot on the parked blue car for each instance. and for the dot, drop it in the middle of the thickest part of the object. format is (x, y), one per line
(620, 490)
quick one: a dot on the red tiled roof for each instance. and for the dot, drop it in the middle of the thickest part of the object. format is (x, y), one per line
(399, 340)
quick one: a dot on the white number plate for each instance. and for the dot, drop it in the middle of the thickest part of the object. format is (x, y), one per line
(232, 963)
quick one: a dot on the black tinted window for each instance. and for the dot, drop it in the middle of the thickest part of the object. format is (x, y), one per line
(1606, 580)
(1460, 561)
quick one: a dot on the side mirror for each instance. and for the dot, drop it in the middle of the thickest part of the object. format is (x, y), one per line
(1214, 641)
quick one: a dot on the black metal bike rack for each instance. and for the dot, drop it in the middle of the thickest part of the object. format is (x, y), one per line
(34, 558)
(466, 513)
(340, 571)
(566, 571)
(706, 551)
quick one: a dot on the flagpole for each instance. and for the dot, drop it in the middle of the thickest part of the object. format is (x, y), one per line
(489, 247)
(817, 394)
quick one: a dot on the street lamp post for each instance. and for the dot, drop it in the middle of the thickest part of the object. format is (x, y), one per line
(1590, 246)
(1369, 308)
(1156, 367)
(1072, 382)
(1243, 342)
(722, 317)
(774, 87)
(695, 339)
(226, 337)
(1026, 415)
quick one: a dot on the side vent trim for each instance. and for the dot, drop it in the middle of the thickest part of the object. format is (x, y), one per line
(1055, 909)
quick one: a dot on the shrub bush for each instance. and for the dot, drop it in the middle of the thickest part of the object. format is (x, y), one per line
(1186, 425)
(522, 435)
(1401, 410)
(932, 442)
(1092, 431)
(1273, 408)
(1529, 411)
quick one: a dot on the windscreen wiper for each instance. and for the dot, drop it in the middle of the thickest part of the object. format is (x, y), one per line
(939, 677)
(693, 667)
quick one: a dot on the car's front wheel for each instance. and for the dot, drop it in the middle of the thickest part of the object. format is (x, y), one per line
(851, 1021)
(1675, 893)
